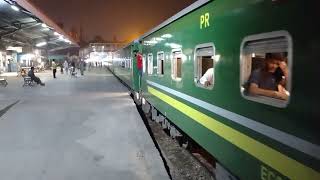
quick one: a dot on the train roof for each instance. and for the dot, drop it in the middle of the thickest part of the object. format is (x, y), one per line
(180, 14)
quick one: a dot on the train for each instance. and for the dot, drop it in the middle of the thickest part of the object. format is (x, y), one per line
(250, 135)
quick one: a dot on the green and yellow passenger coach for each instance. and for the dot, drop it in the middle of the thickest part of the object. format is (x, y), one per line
(199, 75)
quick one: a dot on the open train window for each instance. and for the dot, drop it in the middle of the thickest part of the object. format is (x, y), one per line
(150, 64)
(204, 65)
(160, 63)
(176, 63)
(144, 61)
(265, 68)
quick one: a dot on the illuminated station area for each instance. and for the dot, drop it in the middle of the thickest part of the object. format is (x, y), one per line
(27, 37)
(216, 91)
(77, 126)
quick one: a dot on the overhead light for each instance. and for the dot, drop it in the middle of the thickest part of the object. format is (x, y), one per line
(166, 36)
(173, 45)
(41, 44)
(17, 49)
(159, 39)
(67, 41)
(57, 34)
(151, 42)
(44, 25)
(15, 8)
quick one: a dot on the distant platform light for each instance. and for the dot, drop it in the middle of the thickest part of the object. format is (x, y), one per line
(15, 8)
(41, 44)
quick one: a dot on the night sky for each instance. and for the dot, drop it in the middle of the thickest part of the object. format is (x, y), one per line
(125, 19)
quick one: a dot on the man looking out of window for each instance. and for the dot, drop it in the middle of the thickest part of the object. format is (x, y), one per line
(271, 79)
(207, 79)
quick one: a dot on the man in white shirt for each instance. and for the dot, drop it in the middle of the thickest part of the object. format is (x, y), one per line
(207, 78)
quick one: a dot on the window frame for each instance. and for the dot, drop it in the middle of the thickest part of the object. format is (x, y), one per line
(196, 67)
(243, 58)
(150, 64)
(173, 60)
(158, 60)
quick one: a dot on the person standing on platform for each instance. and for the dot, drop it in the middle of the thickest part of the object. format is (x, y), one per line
(81, 66)
(54, 68)
(66, 66)
(73, 65)
(90, 63)
(139, 64)
(61, 68)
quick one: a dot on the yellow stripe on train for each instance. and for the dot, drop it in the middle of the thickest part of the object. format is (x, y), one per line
(280, 162)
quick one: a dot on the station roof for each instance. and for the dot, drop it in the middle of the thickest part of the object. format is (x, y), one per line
(23, 25)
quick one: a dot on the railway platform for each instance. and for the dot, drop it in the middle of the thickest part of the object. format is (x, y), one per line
(74, 129)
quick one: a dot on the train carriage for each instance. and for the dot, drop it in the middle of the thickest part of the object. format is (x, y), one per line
(253, 136)
(121, 65)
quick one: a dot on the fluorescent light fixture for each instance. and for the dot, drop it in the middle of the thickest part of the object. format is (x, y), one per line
(173, 45)
(159, 39)
(67, 41)
(151, 42)
(166, 36)
(17, 49)
(15, 8)
(44, 25)
(41, 44)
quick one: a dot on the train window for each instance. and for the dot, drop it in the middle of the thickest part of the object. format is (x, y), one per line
(150, 63)
(144, 61)
(265, 68)
(160, 63)
(204, 65)
(176, 64)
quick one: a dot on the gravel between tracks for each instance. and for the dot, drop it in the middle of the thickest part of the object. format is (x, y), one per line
(182, 165)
